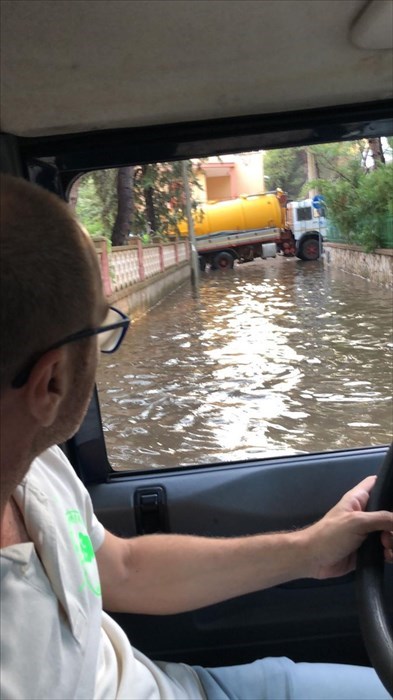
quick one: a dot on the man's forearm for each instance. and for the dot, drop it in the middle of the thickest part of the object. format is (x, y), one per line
(161, 574)
(174, 573)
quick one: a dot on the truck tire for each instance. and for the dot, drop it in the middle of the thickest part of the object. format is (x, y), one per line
(309, 249)
(223, 261)
(202, 263)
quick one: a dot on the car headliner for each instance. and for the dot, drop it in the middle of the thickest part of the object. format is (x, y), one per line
(80, 66)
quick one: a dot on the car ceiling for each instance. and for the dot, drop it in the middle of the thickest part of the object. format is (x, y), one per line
(82, 65)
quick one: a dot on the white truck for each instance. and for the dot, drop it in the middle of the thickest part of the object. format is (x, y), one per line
(309, 227)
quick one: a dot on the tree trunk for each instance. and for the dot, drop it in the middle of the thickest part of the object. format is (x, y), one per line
(125, 205)
(150, 211)
(149, 202)
(375, 146)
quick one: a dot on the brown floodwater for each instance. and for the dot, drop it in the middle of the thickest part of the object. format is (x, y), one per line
(275, 357)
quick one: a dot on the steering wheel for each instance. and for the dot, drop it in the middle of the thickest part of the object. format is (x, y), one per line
(374, 620)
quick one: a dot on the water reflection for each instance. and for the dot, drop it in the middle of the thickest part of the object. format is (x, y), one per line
(276, 357)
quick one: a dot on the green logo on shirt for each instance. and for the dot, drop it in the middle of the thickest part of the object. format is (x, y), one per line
(84, 550)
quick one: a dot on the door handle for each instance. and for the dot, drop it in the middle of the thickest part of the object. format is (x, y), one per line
(151, 513)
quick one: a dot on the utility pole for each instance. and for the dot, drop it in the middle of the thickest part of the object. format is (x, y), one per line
(191, 234)
(312, 173)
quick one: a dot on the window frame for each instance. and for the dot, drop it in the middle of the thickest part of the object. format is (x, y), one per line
(55, 162)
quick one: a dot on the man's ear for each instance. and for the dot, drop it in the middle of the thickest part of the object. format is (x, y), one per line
(47, 386)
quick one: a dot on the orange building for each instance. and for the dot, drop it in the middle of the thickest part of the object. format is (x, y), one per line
(228, 176)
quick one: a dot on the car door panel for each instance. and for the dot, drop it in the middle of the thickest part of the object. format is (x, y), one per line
(242, 498)
(305, 619)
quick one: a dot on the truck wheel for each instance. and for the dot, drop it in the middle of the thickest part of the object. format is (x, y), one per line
(202, 263)
(223, 261)
(309, 249)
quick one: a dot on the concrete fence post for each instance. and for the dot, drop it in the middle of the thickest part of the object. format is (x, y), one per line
(100, 244)
(141, 266)
(161, 250)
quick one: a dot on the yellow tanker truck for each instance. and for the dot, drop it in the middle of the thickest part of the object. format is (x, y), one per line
(248, 227)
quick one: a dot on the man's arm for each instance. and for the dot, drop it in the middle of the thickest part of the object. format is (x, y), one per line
(161, 574)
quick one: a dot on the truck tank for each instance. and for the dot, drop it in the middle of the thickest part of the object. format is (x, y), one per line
(245, 213)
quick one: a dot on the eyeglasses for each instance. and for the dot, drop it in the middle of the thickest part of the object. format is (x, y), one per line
(110, 336)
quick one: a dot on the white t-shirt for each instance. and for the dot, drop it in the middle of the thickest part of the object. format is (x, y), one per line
(56, 642)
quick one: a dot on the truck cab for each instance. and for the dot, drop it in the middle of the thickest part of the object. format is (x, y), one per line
(309, 227)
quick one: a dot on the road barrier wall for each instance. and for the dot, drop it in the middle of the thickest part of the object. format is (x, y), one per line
(377, 267)
(135, 276)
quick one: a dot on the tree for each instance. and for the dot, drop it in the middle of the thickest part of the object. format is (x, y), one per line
(148, 182)
(141, 200)
(286, 168)
(159, 197)
(333, 158)
(125, 205)
(359, 201)
(375, 147)
(291, 168)
(105, 187)
(88, 206)
(96, 202)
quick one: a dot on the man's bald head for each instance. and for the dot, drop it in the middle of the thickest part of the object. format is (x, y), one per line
(49, 274)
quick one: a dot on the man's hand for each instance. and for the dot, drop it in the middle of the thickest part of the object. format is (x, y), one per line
(335, 539)
(161, 574)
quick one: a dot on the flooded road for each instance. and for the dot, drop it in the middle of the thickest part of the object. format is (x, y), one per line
(276, 357)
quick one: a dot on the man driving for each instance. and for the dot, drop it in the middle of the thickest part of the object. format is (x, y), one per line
(60, 570)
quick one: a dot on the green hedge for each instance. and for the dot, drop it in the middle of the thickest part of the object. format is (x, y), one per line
(374, 232)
